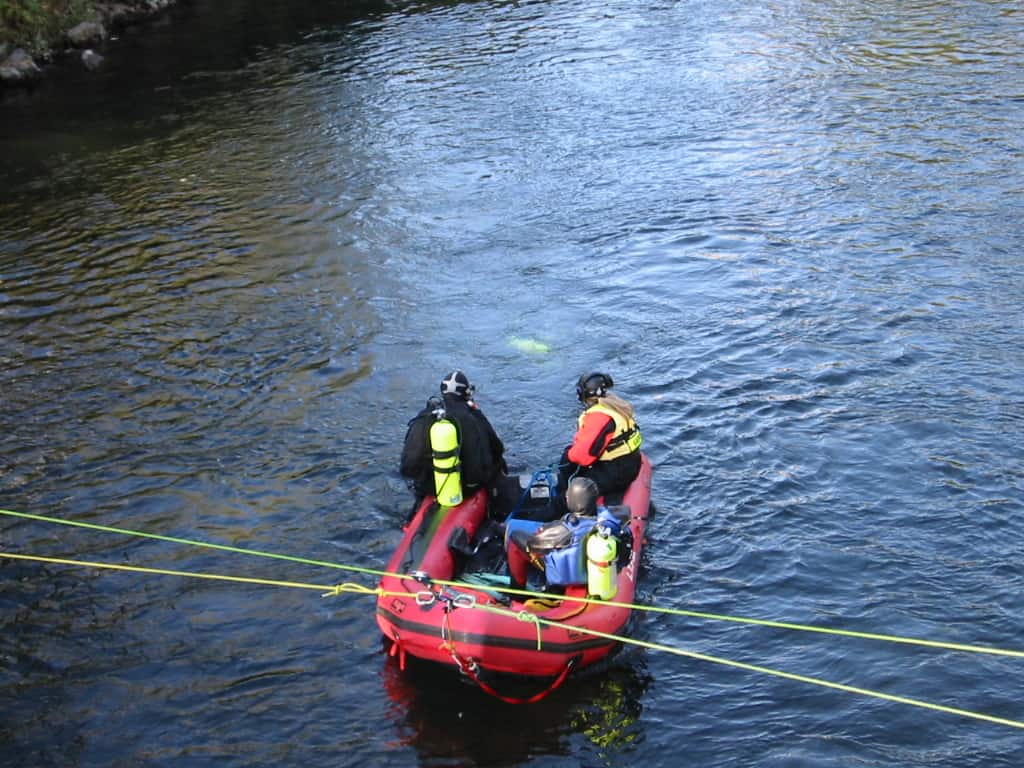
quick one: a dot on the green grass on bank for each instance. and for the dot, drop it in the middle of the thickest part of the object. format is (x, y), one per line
(38, 25)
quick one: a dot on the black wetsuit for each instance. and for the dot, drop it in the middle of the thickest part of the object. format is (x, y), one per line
(481, 452)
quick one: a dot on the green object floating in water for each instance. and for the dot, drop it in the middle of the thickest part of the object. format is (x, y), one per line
(530, 346)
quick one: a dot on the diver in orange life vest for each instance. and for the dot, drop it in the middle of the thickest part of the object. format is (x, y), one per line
(606, 446)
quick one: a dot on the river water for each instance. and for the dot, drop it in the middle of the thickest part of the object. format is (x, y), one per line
(235, 262)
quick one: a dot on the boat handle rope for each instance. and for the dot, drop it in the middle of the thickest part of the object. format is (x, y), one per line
(450, 598)
(471, 669)
(425, 598)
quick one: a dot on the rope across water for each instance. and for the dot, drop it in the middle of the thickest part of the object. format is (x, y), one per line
(525, 593)
(351, 588)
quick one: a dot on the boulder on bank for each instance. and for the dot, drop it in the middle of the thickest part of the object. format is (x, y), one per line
(19, 67)
(86, 34)
(91, 59)
(116, 14)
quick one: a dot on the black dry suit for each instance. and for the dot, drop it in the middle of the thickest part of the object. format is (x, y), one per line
(481, 452)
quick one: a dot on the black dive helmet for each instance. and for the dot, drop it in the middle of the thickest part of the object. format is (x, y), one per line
(593, 385)
(581, 496)
(457, 383)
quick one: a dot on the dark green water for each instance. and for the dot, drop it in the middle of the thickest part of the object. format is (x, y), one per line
(236, 261)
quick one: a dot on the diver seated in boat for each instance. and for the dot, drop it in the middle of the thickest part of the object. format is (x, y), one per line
(556, 549)
(606, 445)
(473, 457)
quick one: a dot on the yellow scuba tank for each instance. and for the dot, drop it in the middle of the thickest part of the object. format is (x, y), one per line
(444, 447)
(602, 549)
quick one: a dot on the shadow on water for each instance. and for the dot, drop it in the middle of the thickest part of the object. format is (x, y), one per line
(449, 721)
(155, 74)
(222, 35)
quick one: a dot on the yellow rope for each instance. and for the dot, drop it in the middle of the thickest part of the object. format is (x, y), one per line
(165, 572)
(334, 591)
(632, 606)
(356, 589)
(531, 618)
(814, 681)
(832, 631)
(521, 615)
(538, 622)
(190, 542)
(757, 622)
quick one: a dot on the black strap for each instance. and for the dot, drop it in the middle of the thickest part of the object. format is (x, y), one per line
(615, 442)
(448, 470)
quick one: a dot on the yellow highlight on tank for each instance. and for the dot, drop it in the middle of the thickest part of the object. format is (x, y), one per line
(444, 447)
(529, 346)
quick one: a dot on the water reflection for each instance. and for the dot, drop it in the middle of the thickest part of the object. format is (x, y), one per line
(597, 712)
(234, 264)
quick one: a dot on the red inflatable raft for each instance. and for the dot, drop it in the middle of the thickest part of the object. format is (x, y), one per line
(447, 597)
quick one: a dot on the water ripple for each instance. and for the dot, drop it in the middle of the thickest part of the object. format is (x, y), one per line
(789, 231)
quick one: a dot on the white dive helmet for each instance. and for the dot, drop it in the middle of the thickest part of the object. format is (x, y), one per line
(457, 383)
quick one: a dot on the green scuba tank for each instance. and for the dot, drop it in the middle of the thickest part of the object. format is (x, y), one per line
(444, 447)
(602, 549)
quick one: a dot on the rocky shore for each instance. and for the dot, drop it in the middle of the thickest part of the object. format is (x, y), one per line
(85, 40)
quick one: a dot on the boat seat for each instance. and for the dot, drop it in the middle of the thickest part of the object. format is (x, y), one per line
(460, 542)
(483, 552)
